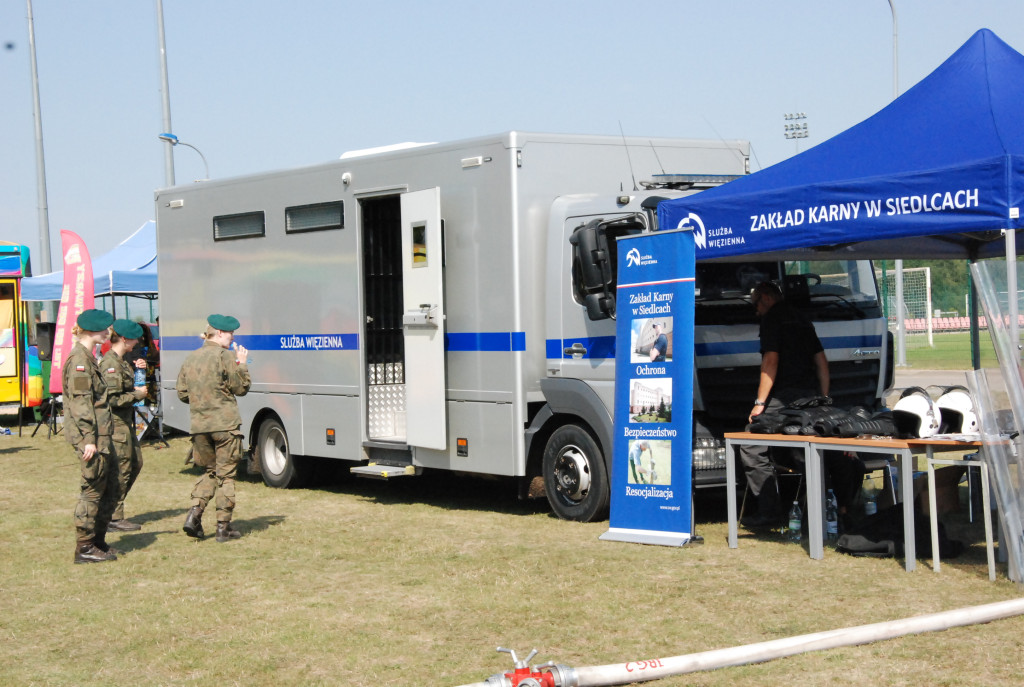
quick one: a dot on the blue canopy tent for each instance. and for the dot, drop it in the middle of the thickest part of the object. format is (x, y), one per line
(127, 270)
(936, 174)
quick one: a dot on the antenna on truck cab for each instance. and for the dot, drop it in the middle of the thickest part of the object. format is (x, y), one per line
(623, 133)
(655, 151)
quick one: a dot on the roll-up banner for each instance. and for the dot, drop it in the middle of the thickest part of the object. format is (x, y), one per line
(76, 298)
(652, 461)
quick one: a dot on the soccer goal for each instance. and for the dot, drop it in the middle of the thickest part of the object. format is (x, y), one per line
(919, 317)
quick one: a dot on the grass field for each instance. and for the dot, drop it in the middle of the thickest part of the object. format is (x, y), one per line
(950, 351)
(416, 582)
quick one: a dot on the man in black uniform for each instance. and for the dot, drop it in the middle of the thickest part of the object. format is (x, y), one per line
(660, 346)
(793, 365)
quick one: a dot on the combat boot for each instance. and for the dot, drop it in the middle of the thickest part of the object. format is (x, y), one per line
(226, 532)
(194, 523)
(87, 552)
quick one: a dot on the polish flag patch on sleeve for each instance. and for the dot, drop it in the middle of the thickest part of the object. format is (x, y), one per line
(80, 368)
(109, 370)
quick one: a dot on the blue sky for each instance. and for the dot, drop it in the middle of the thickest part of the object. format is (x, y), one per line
(259, 85)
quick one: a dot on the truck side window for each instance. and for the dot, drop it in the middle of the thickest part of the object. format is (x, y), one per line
(314, 217)
(240, 226)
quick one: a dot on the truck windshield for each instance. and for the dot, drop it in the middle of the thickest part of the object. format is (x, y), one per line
(851, 281)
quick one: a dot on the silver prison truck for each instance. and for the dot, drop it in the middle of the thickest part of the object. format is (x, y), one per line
(451, 307)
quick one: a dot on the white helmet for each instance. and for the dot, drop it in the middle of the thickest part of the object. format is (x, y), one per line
(956, 411)
(915, 414)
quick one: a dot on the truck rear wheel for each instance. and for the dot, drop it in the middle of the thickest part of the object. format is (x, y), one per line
(575, 478)
(277, 464)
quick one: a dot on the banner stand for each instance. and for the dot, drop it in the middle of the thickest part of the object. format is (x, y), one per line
(652, 461)
(646, 537)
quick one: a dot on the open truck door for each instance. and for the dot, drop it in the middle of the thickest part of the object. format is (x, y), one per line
(423, 319)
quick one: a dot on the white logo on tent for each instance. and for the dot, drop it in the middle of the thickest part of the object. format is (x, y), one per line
(699, 233)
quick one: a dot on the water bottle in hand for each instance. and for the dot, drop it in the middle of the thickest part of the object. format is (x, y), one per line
(140, 378)
(234, 347)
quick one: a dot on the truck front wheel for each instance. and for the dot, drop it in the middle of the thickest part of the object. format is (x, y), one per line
(575, 478)
(279, 467)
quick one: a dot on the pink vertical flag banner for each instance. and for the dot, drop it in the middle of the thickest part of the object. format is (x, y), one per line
(76, 297)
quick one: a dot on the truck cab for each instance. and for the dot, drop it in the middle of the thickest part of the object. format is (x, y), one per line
(839, 296)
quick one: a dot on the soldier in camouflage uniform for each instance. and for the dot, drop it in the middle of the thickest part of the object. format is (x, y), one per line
(210, 379)
(87, 426)
(122, 395)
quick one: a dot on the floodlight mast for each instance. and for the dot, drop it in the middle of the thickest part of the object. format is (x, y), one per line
(796, 129)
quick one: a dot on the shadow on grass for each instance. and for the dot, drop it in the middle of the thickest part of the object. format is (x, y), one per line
(136, 541)
(143, 518)
(448, 490)
(260, 523)
(438, 489)
(195, 471)
(710, 505)
(139, 540)
(17, 449)
(452, 490)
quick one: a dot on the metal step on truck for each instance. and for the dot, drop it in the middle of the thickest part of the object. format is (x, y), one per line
(450, 307)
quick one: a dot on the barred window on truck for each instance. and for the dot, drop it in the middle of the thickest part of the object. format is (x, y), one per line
(315, 217)
(245, 225)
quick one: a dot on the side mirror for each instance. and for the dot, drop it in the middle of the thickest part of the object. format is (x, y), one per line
(592, 255)
(592, 260)
(600, 306)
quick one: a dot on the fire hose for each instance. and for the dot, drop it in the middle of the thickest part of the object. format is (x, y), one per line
(556, 675)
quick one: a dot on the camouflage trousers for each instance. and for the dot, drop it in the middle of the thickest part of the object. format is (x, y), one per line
(218, 453)
(129, 462)
(98, 497)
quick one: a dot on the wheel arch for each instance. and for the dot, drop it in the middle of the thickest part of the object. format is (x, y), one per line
(568, 401)
(252, 435)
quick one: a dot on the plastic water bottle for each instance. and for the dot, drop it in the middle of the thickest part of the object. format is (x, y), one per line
(870, 498)
(831, 516)
(140, 379)
(248, 359)
(796, 522)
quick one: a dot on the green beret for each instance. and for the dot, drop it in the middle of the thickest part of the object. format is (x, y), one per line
(225, 323)
(94, 320)
(127, 329)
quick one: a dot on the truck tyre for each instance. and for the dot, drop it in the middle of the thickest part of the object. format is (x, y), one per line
(575, 477)
(279, 467)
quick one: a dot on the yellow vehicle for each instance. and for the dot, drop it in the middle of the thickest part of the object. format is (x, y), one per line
(21, 381)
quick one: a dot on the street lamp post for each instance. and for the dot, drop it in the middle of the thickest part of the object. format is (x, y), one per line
(175, 141)
(795, 127)
(44, 214)
(165, 95)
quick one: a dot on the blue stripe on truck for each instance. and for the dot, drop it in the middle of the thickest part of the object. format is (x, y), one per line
(604, 346)
(754, 346)
(456, 341)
